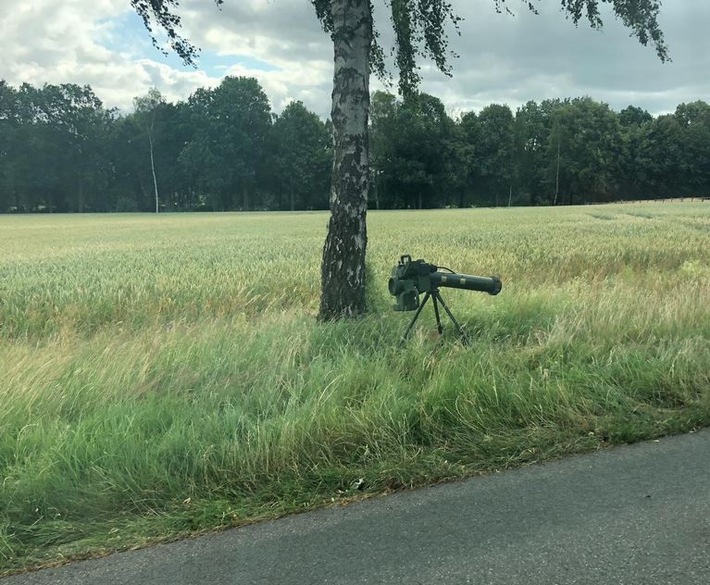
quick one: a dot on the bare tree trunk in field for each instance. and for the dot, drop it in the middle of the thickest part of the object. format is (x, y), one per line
(152, 168)
(80, 202)
(245, 198)
(343, 267)
(557, 172)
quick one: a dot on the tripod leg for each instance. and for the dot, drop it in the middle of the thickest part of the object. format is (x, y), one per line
(462, 333)
(434, 296)
(416, 316)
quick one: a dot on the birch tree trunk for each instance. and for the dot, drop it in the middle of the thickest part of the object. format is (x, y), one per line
(343, 266)
(152, 167)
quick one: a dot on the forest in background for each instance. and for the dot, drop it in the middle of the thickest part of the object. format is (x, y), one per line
(224, 149)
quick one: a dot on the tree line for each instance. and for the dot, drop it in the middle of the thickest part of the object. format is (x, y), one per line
(224, 149)
(570, 151)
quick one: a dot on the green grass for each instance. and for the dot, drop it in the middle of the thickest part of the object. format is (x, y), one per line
(161, 376)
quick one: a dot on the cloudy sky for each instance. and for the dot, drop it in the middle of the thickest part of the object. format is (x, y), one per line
(502, 58)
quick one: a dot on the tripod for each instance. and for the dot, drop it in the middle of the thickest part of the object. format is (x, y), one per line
(435, 296)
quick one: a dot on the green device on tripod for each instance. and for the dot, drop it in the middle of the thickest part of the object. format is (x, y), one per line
(410, 278)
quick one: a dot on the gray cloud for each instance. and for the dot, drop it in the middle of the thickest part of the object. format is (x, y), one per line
(545, 56)
(502, 59)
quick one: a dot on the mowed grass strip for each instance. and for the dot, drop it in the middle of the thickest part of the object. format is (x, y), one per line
(161, 376)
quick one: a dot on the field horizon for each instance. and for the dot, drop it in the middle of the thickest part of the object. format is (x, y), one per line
(165, 375)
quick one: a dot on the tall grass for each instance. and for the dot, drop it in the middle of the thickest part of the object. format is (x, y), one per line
(165, 375)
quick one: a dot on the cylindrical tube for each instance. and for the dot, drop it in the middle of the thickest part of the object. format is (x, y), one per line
(492, 285)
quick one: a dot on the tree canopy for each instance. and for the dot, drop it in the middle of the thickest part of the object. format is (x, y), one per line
(420, 28)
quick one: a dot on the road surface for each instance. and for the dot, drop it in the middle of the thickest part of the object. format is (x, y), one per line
(634, 515)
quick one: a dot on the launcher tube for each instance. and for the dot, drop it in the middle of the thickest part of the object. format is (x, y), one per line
(492, 285)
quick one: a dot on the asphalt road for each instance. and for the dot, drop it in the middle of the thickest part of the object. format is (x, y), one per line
(632, 515)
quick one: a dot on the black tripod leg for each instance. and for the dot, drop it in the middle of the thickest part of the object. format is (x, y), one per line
(434, 296)
(416, 316)
(462, 333)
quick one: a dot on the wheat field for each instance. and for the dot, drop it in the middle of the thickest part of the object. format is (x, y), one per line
(163, 375)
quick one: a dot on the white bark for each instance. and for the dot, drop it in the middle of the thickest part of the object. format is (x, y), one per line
(343, 268)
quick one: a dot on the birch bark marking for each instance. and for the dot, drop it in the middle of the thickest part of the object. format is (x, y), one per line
(343, 267)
